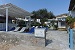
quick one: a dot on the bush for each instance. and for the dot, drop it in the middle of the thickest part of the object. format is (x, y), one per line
(55, 26)
(35, 24)
(21, 25)
(21, 22)
(44, 25)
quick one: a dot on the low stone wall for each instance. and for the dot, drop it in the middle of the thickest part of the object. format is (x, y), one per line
(27, 39)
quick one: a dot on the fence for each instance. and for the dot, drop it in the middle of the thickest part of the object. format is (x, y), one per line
(3, 26)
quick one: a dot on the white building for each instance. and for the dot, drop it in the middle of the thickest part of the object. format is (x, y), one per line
(72, 8)
(61, 21)
(48, 23)
(12, 11)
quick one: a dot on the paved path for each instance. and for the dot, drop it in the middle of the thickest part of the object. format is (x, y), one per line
(60, 40)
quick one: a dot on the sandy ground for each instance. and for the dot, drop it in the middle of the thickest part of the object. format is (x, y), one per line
(56, 40)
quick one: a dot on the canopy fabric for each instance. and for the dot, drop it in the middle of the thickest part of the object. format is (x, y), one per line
(13, 11)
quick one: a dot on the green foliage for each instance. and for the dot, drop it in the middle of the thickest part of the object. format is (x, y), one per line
(49, 27)
(21, 23)
(43, 20)
(44, 25)
(52, 23)
(42, 14)
(74, 19)
(70, 20)
(35, 24)
(56, 27)
(51, 15)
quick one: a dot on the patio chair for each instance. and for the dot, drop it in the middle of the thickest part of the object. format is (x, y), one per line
(22, 30)
(36, 27)
(31, 30)
(17, 28)
(12, 29)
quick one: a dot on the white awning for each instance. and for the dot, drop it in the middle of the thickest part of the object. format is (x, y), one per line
(13, 11)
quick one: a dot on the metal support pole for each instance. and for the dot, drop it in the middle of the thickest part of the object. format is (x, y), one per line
(25, 21)
(16, 23)
(29, 21)
(71, 39)
(6, 19)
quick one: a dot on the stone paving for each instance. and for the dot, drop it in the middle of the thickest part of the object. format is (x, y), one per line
(60, 40)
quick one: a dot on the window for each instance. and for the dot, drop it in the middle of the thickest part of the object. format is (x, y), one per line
(63, 23)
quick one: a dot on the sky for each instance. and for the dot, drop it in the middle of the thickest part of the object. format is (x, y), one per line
(56, 6)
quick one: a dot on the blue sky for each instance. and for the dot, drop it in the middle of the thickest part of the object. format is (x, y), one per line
(56, 6)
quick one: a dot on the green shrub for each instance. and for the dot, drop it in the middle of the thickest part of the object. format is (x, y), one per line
(69, 20)
(35, 24)
(55, 26)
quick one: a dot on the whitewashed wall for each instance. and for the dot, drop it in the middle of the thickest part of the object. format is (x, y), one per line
(59, 25)
(3, 26)
(38, 20)
(72, 13)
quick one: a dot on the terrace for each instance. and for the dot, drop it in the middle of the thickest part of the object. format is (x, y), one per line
(12, 11)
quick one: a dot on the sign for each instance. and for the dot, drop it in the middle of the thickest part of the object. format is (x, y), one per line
(40, 32)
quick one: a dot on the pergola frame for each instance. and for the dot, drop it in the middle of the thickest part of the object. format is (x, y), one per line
(6, 19)
(13, 11)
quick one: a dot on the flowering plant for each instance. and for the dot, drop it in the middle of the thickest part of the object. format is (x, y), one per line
(70, 21)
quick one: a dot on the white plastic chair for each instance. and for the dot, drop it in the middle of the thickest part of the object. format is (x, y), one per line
(17, 28)
(22, 30)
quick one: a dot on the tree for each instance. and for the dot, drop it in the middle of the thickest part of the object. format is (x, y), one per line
(42, 14)
(51, 15)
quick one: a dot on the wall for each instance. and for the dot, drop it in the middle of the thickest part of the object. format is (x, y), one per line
(38, 20)
(72, 13)
(60, 26)
(22, 38)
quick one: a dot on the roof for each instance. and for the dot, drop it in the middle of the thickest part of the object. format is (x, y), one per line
(14, 11)
(62, 15)
(11, 18)
(52, 19)
(71, 6)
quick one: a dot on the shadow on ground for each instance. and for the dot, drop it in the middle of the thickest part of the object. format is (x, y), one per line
(48, 42)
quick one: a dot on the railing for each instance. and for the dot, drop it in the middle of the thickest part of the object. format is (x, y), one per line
(10, 26)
